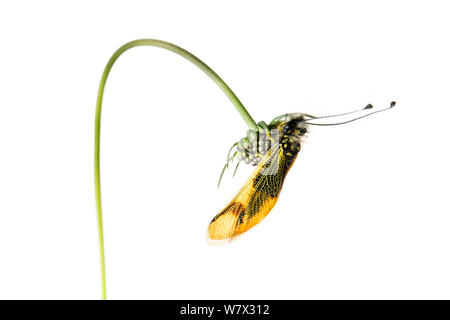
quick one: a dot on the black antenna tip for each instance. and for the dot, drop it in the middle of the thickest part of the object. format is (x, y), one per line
(369, 106)
(392, 104)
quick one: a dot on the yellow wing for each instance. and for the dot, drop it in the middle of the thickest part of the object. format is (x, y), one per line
(255, 199)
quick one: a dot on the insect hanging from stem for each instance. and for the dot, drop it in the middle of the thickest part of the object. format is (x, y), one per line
(262, 147)
(273, 150)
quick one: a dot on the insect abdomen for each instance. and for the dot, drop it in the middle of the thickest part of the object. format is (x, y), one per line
(291, 147)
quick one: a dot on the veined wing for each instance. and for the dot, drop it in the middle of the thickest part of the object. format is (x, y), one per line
(255, 199)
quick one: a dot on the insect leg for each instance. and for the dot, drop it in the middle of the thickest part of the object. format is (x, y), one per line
(227, 162)
(235, 169)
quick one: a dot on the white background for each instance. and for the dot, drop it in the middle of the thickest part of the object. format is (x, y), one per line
(364, 212)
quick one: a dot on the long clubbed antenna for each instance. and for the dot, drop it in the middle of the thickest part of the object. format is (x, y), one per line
(369, 106)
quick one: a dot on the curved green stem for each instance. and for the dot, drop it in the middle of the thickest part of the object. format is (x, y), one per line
(185, 54)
